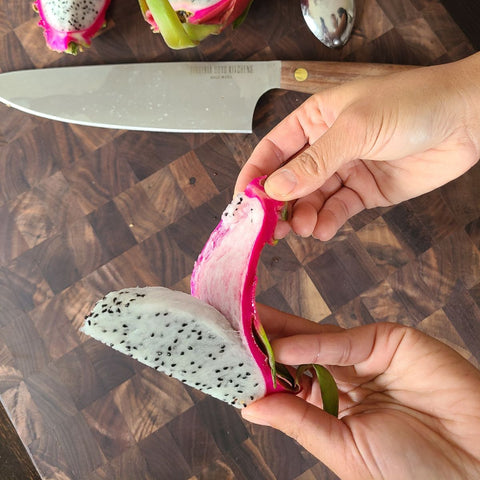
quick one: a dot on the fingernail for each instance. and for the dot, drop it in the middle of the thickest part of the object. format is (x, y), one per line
(281, 183)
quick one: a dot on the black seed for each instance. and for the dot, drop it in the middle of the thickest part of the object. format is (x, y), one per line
(89, 322)
(125, 326)
(152, 335)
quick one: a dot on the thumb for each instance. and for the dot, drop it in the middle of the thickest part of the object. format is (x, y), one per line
(323, 435)
(311, 168)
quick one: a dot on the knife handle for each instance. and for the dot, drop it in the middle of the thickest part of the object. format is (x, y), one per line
(313, 76)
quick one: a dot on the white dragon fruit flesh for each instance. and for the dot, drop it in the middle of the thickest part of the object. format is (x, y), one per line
(181, 336)
(212, 340)
(185, 23)
(70, 25)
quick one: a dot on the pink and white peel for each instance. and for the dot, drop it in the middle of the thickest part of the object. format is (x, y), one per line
(225, 275)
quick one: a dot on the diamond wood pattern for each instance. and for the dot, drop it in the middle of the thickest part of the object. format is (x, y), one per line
(85, 210)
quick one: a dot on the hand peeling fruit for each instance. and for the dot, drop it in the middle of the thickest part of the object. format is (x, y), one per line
(185, 23)
(70, 25)
(212, 340)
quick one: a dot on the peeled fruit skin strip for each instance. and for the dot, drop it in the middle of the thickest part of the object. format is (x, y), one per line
(225, 272)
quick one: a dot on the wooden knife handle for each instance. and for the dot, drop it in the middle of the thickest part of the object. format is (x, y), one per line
(313, 76)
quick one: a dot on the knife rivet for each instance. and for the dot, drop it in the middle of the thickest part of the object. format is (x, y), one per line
(301, 74)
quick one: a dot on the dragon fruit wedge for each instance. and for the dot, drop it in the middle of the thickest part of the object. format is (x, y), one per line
(70, 25)
(213, 339)
(185, 23)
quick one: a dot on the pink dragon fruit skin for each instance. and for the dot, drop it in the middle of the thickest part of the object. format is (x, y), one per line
(220, 12)
(224, 275)
(69, 26)
(185, 23)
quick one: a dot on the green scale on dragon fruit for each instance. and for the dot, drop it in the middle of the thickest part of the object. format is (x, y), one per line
(185, 23)
(212, 340)
(70, 25)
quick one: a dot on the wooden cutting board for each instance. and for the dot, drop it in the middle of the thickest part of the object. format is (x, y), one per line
(84, 211)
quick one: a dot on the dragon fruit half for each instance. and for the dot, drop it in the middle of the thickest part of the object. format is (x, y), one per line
(70, 25)
(213, 339)
(185, 23)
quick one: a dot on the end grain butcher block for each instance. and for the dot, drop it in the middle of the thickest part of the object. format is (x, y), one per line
(84, 211)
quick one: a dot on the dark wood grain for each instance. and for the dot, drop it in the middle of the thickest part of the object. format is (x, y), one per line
(85, 210)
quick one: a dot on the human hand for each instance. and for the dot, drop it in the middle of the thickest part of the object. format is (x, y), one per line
(369, 143)
(409, 405)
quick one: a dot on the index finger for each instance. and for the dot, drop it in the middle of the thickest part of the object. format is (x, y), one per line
(281, 143)
(281, 324)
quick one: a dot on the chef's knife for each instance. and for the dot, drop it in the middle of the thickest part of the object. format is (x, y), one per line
(170, 97)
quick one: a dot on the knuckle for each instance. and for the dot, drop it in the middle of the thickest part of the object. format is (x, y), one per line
(311, 164)
(345, 353)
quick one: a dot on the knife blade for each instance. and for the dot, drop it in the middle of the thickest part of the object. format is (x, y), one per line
(171, 96)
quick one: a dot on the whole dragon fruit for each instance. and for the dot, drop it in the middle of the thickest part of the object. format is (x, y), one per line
(185, 23)
(70, 25)
(213, 339)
